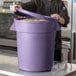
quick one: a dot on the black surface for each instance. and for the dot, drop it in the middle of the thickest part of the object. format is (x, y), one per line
(66, 39)
(8, 48)
(74, 46)
(10, 37)
(6, 20)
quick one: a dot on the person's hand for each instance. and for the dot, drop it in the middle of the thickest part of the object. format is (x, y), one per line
(55, 16)
(61, 20)
(13, 8)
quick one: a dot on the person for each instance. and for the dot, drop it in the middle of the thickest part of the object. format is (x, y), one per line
(54, 8)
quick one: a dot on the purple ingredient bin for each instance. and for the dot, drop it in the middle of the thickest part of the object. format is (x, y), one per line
(35, 43)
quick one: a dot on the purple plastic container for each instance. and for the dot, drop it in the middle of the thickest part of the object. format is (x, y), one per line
(35, 43)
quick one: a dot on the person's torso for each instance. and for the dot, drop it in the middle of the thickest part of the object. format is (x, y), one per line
(49, 7)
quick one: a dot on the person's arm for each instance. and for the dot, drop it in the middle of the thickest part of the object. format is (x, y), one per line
(64, 18)
(30, 6)
(36, 6)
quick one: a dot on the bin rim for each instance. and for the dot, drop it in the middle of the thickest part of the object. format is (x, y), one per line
(30, 22)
